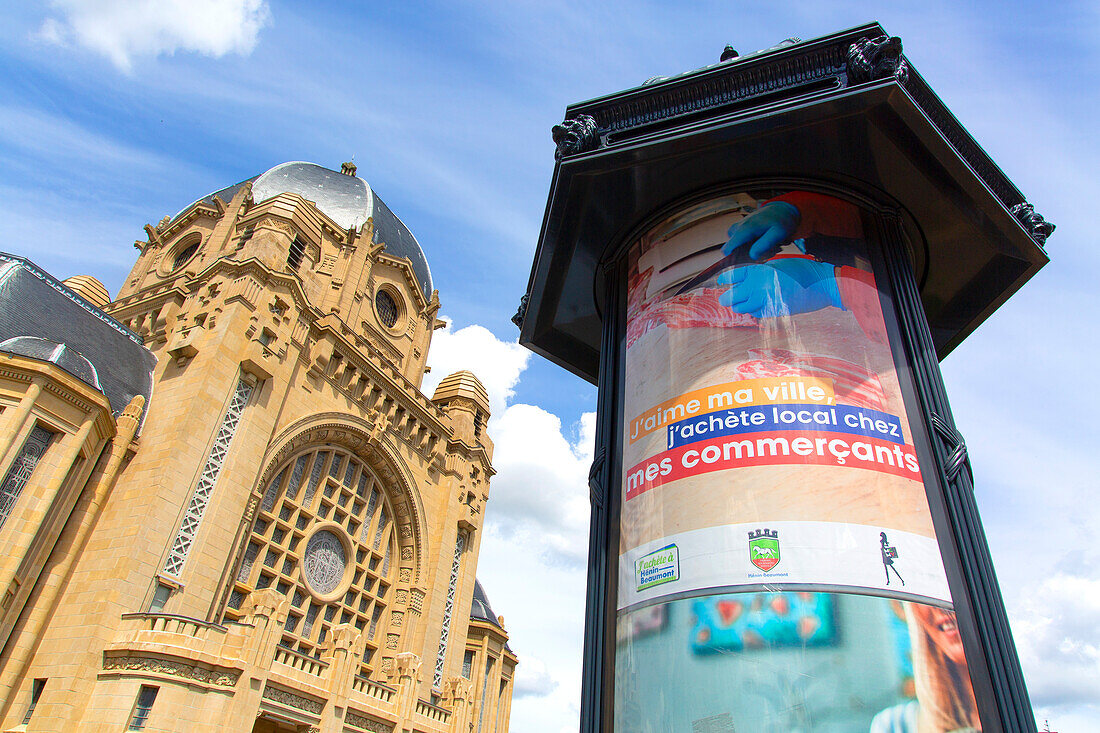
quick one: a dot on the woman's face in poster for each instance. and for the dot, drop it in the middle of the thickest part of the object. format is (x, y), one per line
(942, 629)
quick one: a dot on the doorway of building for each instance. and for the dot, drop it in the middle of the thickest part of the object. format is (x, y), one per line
(267, 725)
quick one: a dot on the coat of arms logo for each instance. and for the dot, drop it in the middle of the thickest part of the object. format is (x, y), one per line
(764, 548)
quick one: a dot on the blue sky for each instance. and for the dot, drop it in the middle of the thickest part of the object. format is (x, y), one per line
(115, 114)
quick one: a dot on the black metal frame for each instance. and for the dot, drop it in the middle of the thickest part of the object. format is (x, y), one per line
(1001, 691)
(998, 682)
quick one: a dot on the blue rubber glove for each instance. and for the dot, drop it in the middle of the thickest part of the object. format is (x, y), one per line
(782, 287)
(764, 230)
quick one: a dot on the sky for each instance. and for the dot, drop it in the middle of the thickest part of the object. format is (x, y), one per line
(114, 114)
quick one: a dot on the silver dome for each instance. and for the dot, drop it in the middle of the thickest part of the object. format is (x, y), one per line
(347, 200)
(344, 199)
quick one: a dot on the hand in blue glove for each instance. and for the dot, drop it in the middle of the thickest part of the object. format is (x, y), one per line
(764, 230)
(781, 287)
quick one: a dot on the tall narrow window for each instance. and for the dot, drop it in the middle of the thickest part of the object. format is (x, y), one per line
(160, 597)
(468, 664)
(144, 705)
(297, 251)
(445, 632)
(177, 556)
(36, 692)
(21, 469)
(482, 713)
(500, 706)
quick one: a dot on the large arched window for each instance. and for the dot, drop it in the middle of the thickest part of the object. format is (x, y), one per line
(324, 536)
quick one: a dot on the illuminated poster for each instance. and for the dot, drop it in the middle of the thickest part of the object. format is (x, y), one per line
(768, 462)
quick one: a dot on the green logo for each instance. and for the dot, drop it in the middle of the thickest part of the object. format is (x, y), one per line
(661, 566)
(764, 548)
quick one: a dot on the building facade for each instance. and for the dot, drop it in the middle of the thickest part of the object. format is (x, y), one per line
(276, 530)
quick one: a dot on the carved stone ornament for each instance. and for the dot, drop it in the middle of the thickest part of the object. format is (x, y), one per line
(155, 665)
(1038, 227)
(872, 59)
(356, 720)
(575, 136)
(291, 700)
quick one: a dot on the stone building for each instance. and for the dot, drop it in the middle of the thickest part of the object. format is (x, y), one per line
(226, 504)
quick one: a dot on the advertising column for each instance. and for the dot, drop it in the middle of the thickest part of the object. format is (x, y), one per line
(778, 566)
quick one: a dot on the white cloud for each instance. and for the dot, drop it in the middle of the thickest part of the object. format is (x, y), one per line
(541, 487)
(1055, 631)
(496, 363)
(533, 679)
(123, 31)
(535, 541)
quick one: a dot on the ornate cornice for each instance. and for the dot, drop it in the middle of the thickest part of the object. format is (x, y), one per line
(174, 668)
(59, 382)
(792, 72)
(404, 264)
(290, 699)
(365, 722)
(397, 385)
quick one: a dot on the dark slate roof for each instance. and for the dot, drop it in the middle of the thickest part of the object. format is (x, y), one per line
(480, 610)
(34, 303)
(347, 200)
(400, 242)
(226, 195)
(65, 357)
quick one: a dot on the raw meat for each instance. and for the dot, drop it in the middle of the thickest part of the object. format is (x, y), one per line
(852, 383)
(695, 309)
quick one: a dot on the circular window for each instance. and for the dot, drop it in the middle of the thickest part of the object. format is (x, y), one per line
(387, 308)
(184, 254)
(324, 562)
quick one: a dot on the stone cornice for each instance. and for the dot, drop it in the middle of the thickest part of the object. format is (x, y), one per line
(398, 385)
(182, 668)
(156, 294)
(320, 219)
(404, 264)
(61, 384)
(293, 699)
(196, 211)
(461, 448)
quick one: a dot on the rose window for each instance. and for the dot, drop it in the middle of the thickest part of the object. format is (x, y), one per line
(324, 562)
(286, 550)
